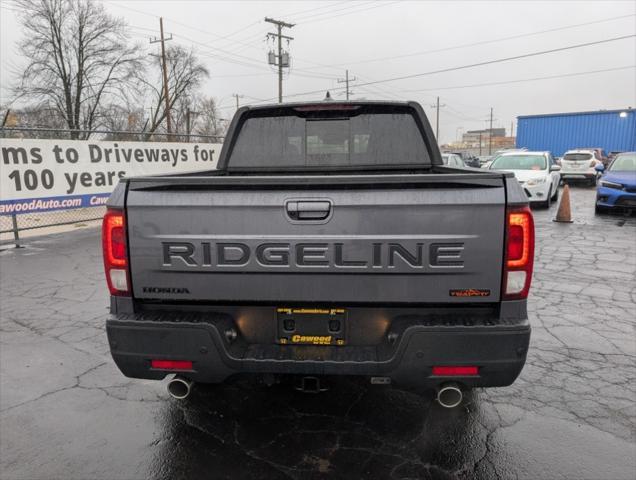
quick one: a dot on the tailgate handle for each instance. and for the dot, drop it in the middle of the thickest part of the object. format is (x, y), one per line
(308, 210)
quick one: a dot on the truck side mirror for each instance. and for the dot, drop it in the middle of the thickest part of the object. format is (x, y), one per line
(555, 168)
(600, 168)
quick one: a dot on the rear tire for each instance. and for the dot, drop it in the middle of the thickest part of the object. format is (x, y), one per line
(598, 210)
(594, 181)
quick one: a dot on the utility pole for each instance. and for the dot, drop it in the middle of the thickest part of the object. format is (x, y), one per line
(283, 60)
(189, 115)
(512, 128)
(437, 106)
(346, 81)
(480, 144)
(237, 96)
(490, 135)
(166, 91)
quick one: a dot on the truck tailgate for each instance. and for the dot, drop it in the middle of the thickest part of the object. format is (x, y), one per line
(277, 240)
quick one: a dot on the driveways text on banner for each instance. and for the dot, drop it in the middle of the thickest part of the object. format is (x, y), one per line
(45, 175)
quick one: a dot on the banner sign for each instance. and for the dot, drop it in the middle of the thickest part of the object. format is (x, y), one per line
(45, 175)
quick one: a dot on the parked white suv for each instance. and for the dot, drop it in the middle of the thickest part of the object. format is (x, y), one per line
(537, 172)
(580, 165)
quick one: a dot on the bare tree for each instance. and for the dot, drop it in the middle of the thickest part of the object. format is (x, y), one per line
(123, 118)
(196, 115)
(185, 75)
(79, 57)
(183, 114)
(209, 121)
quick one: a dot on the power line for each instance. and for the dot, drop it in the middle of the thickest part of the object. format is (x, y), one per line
(233, 61)
(351, 5)
(380, 93)
(233, 75)
(253, 98)
(456, 113)
(378, 88)
(242, 60)
(522, 80)
(484, 42)
(310, 69)
(206, 32)
(479, 64)
(297, 13)
(247, 61)
(222, 58)
(242, 29)
(383, 4)
(318, 65)
(460, 116)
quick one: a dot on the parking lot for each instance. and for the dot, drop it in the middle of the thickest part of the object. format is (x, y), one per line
(66, 412)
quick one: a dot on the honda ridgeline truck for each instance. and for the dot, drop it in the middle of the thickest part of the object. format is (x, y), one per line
(330, 240)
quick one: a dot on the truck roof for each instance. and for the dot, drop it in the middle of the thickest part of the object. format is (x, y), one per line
(327, 104)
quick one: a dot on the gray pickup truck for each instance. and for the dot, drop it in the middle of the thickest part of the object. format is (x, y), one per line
(330, 240)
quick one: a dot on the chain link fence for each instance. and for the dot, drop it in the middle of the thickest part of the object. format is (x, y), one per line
(12, 225)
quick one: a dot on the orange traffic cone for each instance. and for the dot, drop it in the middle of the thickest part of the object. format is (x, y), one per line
(564, 213)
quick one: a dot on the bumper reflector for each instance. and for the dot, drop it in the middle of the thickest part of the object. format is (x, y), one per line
(171, 364)
(455, 371)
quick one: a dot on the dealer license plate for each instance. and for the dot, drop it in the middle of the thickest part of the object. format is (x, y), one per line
(311, 326)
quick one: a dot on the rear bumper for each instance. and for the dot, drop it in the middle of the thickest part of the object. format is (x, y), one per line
(499, 349)
(579, 175)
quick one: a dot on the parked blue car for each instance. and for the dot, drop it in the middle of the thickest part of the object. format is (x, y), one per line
(617, 187)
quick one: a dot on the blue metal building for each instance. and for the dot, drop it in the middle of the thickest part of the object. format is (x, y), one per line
(611, 130)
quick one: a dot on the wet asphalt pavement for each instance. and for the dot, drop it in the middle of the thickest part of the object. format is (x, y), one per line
(67, 413)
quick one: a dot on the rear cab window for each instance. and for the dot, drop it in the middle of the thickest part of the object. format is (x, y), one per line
(354, 137)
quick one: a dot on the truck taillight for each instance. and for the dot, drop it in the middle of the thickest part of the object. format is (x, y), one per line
(519, 253)
(115, 252)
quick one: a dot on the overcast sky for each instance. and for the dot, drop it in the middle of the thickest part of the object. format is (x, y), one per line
(379, 40)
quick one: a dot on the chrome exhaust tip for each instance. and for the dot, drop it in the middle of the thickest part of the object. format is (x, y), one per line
(449, 395)
(180, 387)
